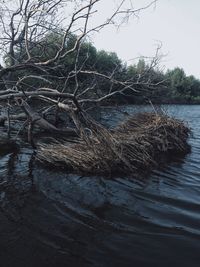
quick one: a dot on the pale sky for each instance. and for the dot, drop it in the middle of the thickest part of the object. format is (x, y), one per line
(176, 23)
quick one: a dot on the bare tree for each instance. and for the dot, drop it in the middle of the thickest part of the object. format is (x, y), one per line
(23, 26)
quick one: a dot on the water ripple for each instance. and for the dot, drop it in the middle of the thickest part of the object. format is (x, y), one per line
(50, 218)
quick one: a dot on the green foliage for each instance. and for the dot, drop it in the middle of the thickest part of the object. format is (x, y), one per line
(107, 62)
(182, 88)
(177, 79)
(141, 66)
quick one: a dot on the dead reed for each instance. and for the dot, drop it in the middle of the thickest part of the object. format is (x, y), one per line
(136, 145)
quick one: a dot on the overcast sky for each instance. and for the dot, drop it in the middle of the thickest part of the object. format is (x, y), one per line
(176, 23)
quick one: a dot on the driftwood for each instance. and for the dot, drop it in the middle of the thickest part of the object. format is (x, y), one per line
(36, 119)
(7, 146)
(44, 124)
(4, 118)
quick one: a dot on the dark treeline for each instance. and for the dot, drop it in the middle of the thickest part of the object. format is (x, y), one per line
(176, 86)
(172, 86)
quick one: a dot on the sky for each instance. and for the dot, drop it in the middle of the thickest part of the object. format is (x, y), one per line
(175, 23)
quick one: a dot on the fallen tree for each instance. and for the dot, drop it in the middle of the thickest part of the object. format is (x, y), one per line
(46, 71)
(37, 43)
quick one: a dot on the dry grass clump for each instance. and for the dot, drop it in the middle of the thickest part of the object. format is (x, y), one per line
(134, 146)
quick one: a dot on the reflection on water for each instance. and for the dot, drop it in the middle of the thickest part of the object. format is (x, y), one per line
(50, 218)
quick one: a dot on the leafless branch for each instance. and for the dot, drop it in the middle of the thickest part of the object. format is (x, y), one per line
(36, 47)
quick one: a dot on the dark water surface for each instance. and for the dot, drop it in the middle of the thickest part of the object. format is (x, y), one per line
(49, 218)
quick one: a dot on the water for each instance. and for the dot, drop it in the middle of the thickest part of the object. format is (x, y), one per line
(50, 218)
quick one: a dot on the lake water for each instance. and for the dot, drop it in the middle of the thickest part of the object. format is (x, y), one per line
(49, 218)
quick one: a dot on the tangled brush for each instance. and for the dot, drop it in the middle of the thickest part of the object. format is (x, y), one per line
(136, 145)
